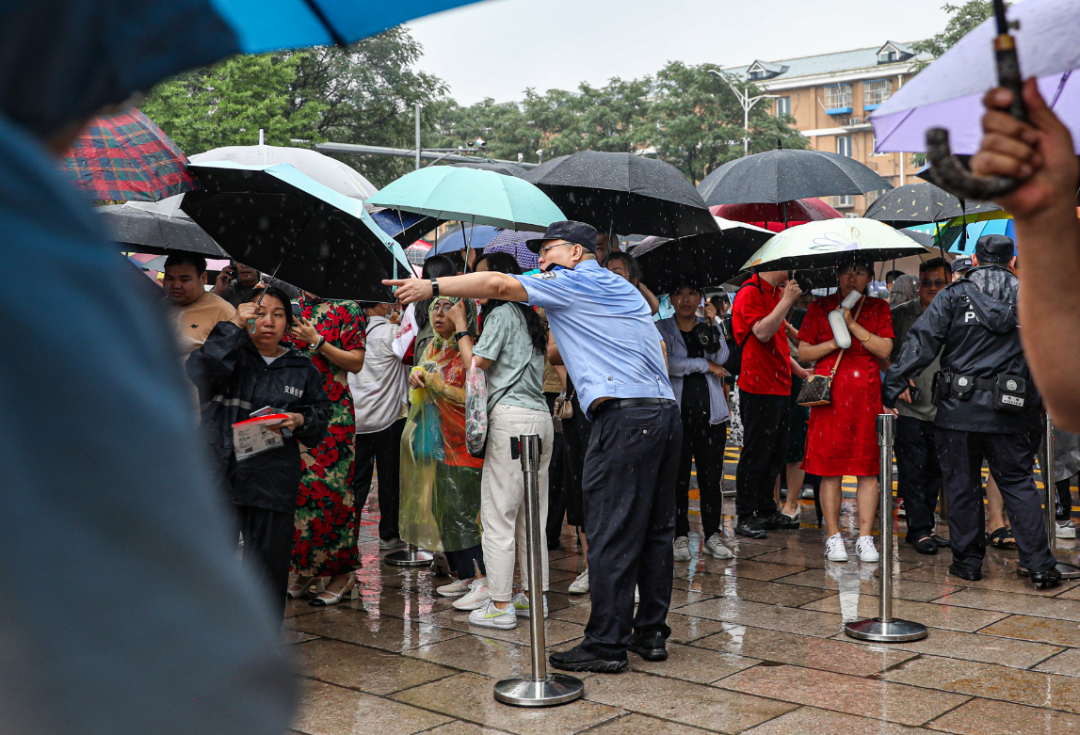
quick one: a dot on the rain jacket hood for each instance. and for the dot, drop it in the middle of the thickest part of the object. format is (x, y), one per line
(994, 298)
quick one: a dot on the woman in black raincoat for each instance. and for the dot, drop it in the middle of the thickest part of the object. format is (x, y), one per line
(238, 371)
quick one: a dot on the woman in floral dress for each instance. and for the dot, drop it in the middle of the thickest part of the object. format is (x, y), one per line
(331, 333)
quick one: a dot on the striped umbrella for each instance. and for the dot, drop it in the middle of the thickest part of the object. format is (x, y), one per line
(126, 157)
(509, 241)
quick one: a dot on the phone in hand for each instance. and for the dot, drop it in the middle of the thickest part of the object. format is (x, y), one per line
(296, 313)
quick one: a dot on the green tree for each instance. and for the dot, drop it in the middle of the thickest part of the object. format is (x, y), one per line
(962, 20)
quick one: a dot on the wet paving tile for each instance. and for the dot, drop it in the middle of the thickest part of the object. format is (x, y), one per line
(991, 682)
(1017, 604)
(367, 669)
(801, 650)
(290, 636)
(686, 629)
(469, 697)
(1066, 663)
(835, 580)
(759, 615)
(331, 710)
(485, 656)
(463, 728)
(745, 568)
(996, 576)
(837, 692)
(813, 721)
(690, 704)
(635, 724)
(1044, 630)
(387, 633)
(693, 664)
(976, 647)
(930, 614)
(987, 717)
(557, 631)
(771, 593)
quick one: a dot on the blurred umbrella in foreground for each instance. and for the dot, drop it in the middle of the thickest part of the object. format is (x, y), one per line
(832, 242)
(708, 259)
(280, 221)
(624, 193)
(126, 157)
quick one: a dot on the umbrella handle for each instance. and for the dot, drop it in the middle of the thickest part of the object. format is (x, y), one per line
(951, 174)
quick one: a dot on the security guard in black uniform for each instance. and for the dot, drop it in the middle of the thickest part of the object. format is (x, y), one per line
(987, 408)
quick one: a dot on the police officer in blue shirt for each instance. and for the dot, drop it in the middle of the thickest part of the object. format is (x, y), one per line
(605, 333)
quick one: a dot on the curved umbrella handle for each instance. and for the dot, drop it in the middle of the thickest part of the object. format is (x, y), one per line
(952, 176)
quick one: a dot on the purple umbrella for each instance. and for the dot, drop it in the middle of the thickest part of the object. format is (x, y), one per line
(510, 241)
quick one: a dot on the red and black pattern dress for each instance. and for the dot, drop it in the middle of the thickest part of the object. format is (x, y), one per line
(325, 538)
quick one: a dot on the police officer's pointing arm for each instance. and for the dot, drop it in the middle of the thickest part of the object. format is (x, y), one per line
(921, 346)
(486, 285)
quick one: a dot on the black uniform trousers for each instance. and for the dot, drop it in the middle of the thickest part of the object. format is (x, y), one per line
(268, 542)
(1011, 458)
(703, 444)
(766, 421)
(556, 486)
(918, 474)
(629, 497)
(382, 448)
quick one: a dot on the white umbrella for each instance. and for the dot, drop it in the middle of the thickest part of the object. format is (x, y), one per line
(948, 94)
(831, 242)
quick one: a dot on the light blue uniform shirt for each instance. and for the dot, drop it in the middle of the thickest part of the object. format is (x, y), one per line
(605, 333)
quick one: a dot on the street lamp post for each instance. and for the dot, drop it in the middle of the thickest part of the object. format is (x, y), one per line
(747, 102)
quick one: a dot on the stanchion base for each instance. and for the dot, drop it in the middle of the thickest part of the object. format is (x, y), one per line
(409, 558)
(1068, 571)
(523, 691)
(894, 631)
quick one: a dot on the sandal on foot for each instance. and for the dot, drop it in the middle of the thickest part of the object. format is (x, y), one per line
(1002, 538)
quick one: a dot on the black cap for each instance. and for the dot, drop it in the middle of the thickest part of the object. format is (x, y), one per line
(578, 233)
(962, 265)
(994, 249)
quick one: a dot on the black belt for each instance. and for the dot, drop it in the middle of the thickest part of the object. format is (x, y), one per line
(614, 403)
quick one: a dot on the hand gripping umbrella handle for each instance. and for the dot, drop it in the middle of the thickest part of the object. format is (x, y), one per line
(949, 172)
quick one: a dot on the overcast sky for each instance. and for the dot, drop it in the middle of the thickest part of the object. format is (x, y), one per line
(497, 48)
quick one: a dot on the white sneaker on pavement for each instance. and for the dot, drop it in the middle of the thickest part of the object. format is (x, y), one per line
(521, 605)
(1065, 529)
(867, 553)
(457, 588)
(580, 586)
(489, 616)
(715, 547)
(682, 548)
(477, 596)
(834, 548)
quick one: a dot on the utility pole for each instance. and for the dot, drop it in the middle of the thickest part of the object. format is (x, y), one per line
(747, 102)
(417, 136)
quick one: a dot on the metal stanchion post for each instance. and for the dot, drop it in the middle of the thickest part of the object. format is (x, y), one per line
(1046, 462)
(410, 556)
(884, 628)
(541, 689)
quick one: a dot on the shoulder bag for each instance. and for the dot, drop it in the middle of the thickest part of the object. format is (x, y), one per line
(817, 389)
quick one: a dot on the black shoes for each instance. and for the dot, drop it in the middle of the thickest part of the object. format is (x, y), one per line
(971, 575)
(779, 522)
(749, 527)
(942, 543)
(578, 659)
(924, 545)
(652, 647)
(1045, 580)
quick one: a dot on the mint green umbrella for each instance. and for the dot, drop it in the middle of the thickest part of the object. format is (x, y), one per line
(470, 195)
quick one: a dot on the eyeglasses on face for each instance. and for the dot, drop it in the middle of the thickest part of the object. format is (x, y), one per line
(443, 307)
(544, 250)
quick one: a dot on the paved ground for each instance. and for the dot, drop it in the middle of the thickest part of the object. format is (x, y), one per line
(757, 647)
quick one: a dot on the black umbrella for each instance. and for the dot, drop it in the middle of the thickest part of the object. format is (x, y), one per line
(706, 259)
(280, 221)
(783, 174)
(151, 227)
(506, 169)
(921, 204)
(622, 192)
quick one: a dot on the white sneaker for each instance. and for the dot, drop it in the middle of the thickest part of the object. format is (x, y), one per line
(580, 586)
(521, 605)
(457, 588)
(477, 596)
(682, 548)
(489, 616)
(1065, 529)
(834, 548)
(865, 548)
(715, 547)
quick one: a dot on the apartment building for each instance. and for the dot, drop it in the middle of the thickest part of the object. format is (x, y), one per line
(831, 97)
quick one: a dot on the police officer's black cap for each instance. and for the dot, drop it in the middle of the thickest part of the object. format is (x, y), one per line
(994, 249)
(962, 265)
(578, 233)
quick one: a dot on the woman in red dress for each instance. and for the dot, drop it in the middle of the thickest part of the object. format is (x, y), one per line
(842, 437)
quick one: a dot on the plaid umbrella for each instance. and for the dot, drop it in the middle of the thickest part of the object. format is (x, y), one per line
(127, 157)
(417, 252)
(510, 241)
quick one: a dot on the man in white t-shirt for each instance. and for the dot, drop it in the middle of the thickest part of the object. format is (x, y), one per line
(380, 395)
